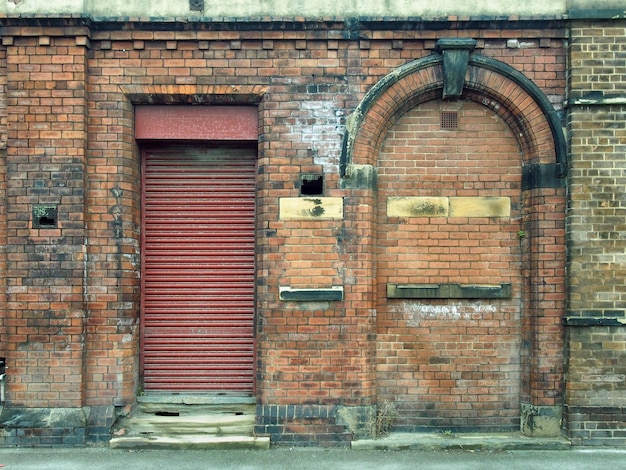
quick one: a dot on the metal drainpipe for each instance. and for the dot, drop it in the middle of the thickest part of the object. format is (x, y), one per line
(3, 363)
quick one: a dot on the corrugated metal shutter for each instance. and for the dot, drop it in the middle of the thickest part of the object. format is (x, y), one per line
(198, 269)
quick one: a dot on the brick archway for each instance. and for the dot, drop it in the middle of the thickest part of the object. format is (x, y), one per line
(494, 84)
(536, 127)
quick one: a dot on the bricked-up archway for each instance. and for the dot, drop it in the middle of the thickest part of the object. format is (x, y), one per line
(535, 124)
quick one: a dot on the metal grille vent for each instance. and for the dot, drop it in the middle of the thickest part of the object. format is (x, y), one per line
(449, 120)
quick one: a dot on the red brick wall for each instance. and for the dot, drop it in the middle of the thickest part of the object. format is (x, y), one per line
(3, 195)
(305, 82)
(450, 364)
(45, 160)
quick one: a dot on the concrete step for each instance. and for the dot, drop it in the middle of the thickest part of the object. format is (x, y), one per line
(181, 421)
(191, 441)
(217, 424)
(172, 409)
(469, 441)
(195, 399)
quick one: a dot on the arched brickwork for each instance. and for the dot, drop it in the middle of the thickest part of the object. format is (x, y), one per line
(494, 84)
(535, 125)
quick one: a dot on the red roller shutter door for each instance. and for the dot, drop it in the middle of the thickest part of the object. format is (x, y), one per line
(198, 269)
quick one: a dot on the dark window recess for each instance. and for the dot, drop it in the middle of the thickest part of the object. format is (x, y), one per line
(45, 216)
(196, 5)
(311, 184)
(449, 120)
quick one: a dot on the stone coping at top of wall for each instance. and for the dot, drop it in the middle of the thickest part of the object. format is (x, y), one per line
(399, 22)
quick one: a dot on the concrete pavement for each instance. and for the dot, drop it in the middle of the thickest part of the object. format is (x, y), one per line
(309, 458)
(464, 441)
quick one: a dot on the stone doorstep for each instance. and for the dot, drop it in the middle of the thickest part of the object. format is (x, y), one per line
(486, 442)
(190, 421)
(195, 399)
(191, 441)
(173, 409)
(217, 424)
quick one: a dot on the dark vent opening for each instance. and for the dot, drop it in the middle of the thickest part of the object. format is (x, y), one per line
(45, 216)
(311, 184)
(449, 120)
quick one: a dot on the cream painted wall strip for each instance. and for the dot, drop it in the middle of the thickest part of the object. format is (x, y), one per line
(448, 207)
(480, 207)
(417, 207)
(311, 208)
(294, 8)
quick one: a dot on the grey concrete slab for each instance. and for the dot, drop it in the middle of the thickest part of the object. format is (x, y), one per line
(441, 441)
(308, 458)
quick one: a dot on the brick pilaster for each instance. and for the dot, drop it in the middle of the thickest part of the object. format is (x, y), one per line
(45, 172)
(596, 245)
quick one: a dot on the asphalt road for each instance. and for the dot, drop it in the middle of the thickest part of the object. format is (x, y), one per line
(307, 458)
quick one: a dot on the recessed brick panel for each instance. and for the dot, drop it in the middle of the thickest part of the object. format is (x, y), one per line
(450, 363)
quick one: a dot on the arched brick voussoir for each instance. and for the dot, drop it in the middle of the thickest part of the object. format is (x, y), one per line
(519, 109)
(521, 104)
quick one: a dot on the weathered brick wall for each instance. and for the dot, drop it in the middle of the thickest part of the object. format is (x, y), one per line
(45, 161)
(451, 363)
(316, 360)
(309, 353)
(596, 393)
(46, 140)
(596, 245)
(112, 293)
(3, 195)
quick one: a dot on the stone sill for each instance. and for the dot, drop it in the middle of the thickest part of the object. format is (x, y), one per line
(580, 321)
(448, 291)
(289, 294)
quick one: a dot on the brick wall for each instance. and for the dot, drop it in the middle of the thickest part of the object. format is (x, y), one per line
(71, 143)
(595, 379)
(3, 195)
(44, 121)
(45, 162)
(113, 198)
(596, 391)
(450, 364)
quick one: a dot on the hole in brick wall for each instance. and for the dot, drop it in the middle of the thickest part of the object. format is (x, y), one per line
(449, 120)
(311, 184)
(44, 216)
